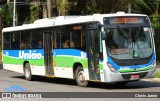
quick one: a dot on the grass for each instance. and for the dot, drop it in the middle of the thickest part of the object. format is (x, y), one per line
(157, 74)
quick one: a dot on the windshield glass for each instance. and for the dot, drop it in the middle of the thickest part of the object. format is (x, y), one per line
(129, 43)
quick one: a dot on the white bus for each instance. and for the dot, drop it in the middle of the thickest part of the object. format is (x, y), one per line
(101, 47)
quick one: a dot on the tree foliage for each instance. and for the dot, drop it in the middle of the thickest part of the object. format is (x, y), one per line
(34, 12)
(87, 7)
(101, 6)
(6, 14)
(63, 7)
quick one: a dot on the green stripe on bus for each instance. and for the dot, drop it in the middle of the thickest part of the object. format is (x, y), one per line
(59, 61)
(137, 70)
(10, 60)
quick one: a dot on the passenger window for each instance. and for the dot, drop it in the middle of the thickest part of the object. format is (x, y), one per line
(78, 37)
(37, 42)
(59, 32)
(15, 40)
(25, 40)
(6, 40)
(66, 38)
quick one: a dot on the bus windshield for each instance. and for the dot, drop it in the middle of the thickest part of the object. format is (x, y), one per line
(129, 42)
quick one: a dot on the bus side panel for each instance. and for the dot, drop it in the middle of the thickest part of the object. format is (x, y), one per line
(64, 60)
(63, 72)
(38, 70)
(13, 60)
(13, 67)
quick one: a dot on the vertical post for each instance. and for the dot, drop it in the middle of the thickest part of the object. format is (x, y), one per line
(52, 8)
(49, 7)
(1, 26)
(129, 8)
(14, 13)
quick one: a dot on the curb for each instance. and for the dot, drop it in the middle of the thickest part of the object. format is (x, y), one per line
(152, 79)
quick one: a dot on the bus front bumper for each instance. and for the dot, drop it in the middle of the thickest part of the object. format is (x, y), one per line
(110, 76)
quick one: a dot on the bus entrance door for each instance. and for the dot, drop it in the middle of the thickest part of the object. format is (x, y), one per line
(93, 53)
(48, 55)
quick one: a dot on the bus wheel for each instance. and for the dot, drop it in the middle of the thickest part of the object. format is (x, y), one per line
(27, 72)
(80, 77)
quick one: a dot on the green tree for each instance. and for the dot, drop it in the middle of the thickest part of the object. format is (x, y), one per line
(155, 13)
(6, 15)
(63, 7)
(34, 12)
(112, 6)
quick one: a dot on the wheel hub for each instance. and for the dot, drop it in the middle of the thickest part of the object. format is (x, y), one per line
(81, 76)
(27, 73)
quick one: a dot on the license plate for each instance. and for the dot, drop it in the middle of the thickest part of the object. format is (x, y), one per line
(134, 76)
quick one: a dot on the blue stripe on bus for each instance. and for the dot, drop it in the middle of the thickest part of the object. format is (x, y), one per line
(131, 67)
(56, 52)
(69, 52)
(15, 53)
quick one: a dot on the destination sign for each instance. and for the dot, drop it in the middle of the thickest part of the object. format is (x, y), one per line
(126, 20)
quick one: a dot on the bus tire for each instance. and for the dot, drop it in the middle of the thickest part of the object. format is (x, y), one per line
(80, 77)
(27, 72)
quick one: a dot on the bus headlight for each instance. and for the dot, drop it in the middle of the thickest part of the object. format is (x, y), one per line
(112, 68)
(153, 65)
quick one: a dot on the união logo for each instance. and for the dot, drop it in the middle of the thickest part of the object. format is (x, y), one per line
(29, 55)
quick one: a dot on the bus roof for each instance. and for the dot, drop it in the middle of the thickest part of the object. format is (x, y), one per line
(65, 20)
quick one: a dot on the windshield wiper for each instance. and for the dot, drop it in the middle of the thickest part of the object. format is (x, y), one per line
(119, 29)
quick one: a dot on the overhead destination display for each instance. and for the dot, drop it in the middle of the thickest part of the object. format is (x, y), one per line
(126, 20)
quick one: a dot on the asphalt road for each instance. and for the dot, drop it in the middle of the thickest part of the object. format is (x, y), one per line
(42, 84)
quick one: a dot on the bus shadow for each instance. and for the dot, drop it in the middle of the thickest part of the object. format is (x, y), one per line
(50, 80)
(109, 86)
(130, 85)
